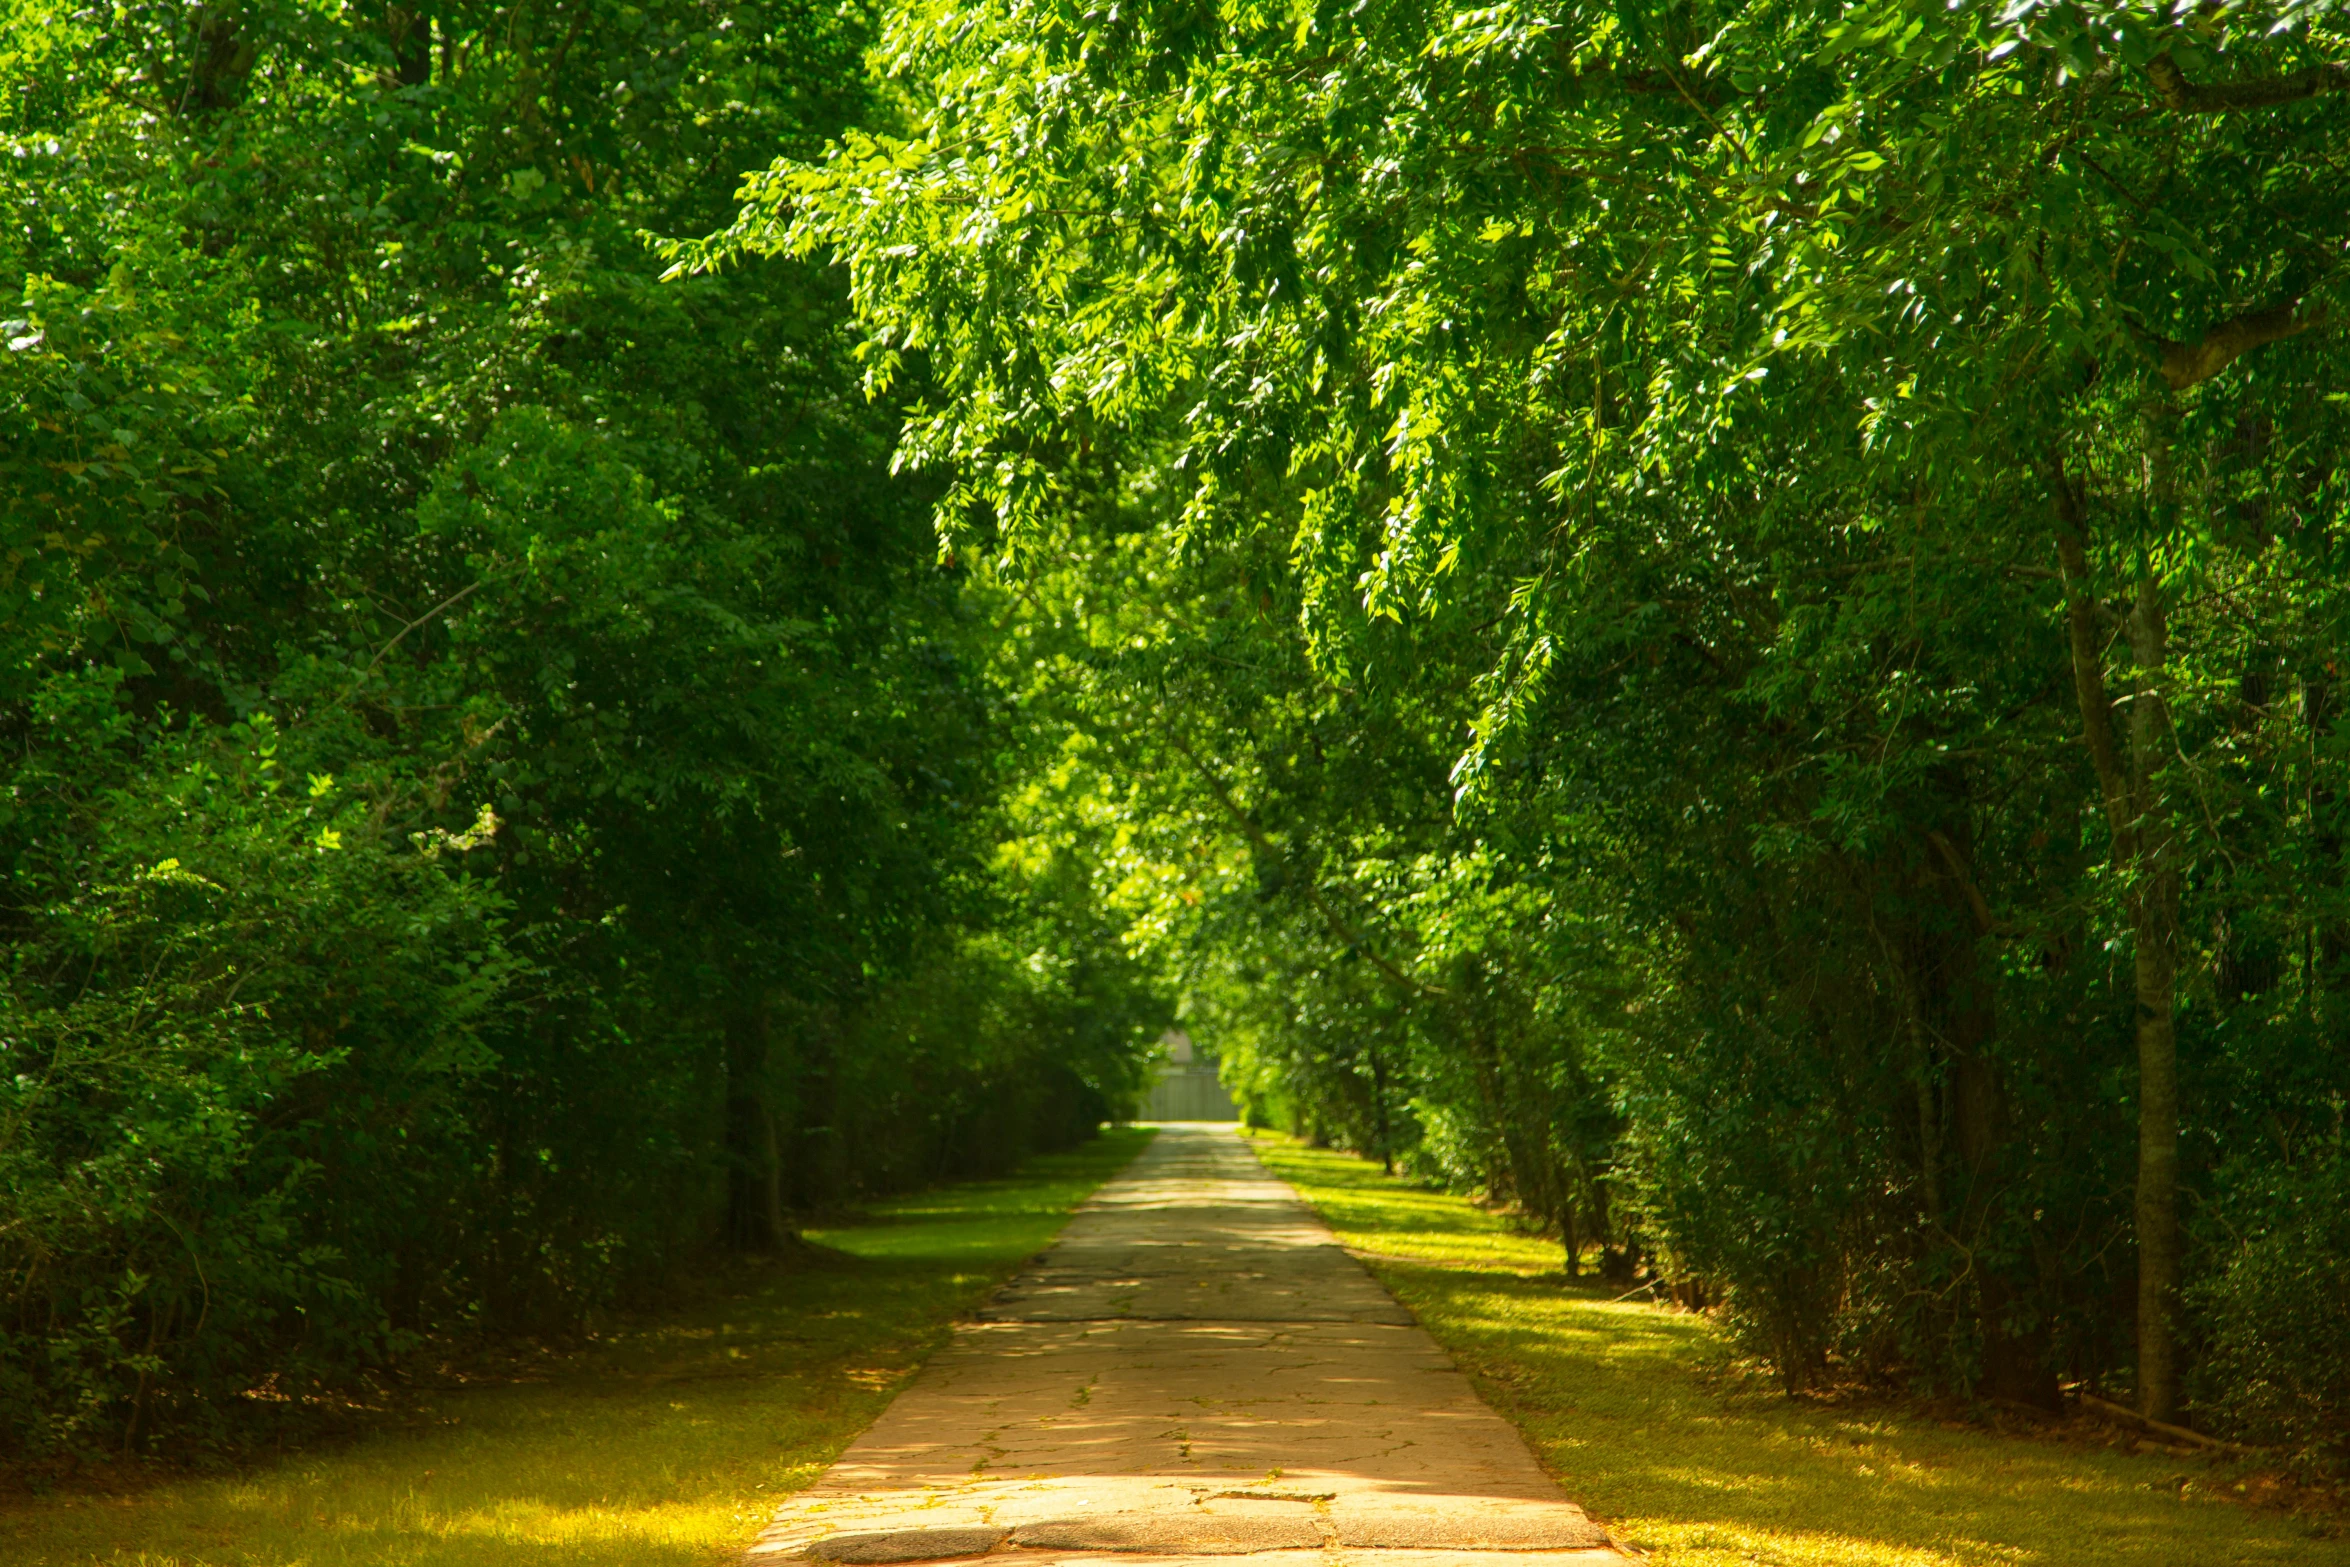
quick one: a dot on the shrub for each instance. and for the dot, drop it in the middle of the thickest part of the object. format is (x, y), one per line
(235, 998)
(2278, 1315)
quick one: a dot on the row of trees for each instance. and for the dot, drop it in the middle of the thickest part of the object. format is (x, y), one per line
(500, 797)
(1720, 617)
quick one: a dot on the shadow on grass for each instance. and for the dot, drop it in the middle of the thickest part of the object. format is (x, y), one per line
(668, 1443)
(1623, 1401)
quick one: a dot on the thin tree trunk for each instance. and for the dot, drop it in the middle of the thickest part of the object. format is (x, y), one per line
(2327, 941)
(2145, 860)
(755, 1221)
(2015, 1365)
(2158, 1150)
(2155, 922)
(1922, 1079)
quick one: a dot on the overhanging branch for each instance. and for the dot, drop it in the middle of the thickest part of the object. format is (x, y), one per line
(2186, 364)
(1339, 925)
(2176, 92)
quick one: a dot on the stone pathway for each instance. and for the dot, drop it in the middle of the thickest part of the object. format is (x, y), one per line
(1194, 1369)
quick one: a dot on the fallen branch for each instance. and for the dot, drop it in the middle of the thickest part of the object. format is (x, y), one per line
(2124, 1415)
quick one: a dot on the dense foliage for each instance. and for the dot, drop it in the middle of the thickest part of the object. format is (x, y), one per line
(1721, 616)
(501, 800)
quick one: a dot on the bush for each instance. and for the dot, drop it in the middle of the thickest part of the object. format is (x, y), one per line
(2278, 1315)
(237, 1008)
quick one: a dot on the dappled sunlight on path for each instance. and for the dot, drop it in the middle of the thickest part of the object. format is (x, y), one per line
(1195, 1368)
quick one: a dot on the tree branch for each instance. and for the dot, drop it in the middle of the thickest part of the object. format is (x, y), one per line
(2080, 614)
(445, 605)
(2186, 364)
(2176, 92)
(1256, 835)
(1977, 904)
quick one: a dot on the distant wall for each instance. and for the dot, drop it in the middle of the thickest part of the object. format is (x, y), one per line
(1187, 1088)
(1189, 1094)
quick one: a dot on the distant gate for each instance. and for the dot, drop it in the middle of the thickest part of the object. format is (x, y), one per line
(1187, 1088)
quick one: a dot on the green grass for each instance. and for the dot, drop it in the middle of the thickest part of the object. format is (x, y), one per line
(1633, 1407)
(665, 1445)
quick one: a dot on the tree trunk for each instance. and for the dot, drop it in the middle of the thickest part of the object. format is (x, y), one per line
(755, 1219)
(408, 34)
(1530, 1184)
(2015, 1365)
(1379, 1108)
(2154, 925)
(224, 58)
(2329, 940)
(2145, 860)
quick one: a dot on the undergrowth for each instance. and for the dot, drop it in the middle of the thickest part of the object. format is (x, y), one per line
(665, 1444)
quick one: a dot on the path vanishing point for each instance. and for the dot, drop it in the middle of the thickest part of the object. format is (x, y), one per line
(1195, 1368)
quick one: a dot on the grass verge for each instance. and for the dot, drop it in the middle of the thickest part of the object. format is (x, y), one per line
(1630, 1405)
(665, 1445)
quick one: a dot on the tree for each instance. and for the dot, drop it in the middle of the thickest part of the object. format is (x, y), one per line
(1741, 343)
(502, 795)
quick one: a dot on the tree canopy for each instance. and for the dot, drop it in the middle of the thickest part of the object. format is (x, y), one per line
(1748, 589)
(1717, 618)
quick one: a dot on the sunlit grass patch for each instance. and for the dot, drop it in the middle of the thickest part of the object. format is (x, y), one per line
(667, 1444)
(1624, 1402)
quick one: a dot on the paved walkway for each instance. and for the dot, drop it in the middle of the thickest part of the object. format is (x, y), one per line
(1194, 1369)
